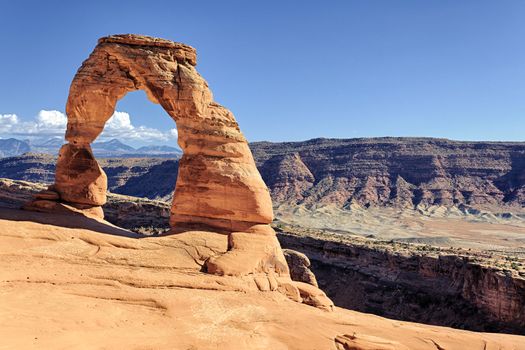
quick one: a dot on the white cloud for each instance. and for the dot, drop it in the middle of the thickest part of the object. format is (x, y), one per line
(46, 123)
(53, 123)
(119, 121)
(7, 122)
(51, 119)
(119, 126)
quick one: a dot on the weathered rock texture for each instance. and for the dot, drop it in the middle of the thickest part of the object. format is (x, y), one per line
(76, 283)
(299, 265)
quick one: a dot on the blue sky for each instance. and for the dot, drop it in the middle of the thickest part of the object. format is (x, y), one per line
(290, 70)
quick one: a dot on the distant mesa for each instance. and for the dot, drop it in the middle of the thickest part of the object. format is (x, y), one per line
(376, 172)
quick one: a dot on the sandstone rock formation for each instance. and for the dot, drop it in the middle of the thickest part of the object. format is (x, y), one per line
(218, 184)
(218, 188)
(299, 265)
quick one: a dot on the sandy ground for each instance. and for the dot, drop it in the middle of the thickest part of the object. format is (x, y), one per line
(75, 283)
(439, 226)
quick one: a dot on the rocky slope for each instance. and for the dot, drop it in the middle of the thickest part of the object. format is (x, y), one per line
(398, 172)
(152, 178)
(29, 167)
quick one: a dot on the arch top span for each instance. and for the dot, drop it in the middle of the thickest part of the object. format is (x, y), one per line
(119, 64)
(182, 51)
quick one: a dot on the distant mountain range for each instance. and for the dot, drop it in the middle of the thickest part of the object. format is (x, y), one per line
(13, 147)
(114, 148)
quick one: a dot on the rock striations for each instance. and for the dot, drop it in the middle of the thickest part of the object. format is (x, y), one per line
(440, 288)
(219, 188)
(377, 172)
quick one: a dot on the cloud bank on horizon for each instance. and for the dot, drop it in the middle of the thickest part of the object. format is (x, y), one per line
(52, 123)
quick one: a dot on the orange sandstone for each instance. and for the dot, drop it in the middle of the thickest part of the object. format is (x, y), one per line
(219, 188)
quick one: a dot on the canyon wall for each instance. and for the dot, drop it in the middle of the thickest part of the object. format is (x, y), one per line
(448, 290)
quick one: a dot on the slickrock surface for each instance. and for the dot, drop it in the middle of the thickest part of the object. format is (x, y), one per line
(73, 282)
(402, 279)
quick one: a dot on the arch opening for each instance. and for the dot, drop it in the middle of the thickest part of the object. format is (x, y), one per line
(144, 151)
(139, 123)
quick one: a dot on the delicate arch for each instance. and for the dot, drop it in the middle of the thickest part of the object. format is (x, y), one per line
(218, 184)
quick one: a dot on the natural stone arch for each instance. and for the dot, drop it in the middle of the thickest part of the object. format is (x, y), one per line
(219, 188)
(218, 184)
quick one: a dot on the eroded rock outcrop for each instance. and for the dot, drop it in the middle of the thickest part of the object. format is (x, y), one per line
(299, 265)
(218, 188)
